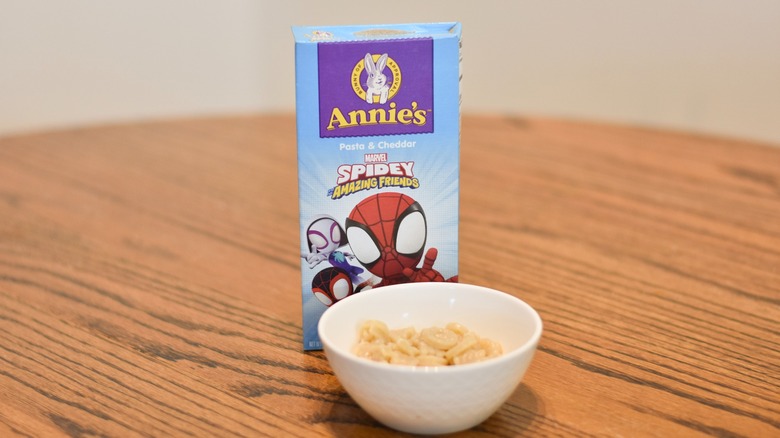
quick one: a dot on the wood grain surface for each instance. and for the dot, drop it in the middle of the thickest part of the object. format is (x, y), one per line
(149, 281)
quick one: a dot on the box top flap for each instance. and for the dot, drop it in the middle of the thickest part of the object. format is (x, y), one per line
(316, 34)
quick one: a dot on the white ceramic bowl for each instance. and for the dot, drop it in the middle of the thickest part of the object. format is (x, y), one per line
(432, 400)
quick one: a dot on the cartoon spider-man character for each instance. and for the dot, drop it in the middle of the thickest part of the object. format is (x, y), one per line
(334, 284)
(331, 285)
(324, 237)
(387, 233)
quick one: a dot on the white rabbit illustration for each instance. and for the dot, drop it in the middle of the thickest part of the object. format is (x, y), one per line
(377, 81)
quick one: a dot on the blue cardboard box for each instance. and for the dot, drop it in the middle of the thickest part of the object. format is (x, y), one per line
(378, 127)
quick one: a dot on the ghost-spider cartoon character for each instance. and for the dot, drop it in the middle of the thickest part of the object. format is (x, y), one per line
(324, 237)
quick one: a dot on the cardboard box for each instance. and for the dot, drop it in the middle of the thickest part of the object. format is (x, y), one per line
(378, 121)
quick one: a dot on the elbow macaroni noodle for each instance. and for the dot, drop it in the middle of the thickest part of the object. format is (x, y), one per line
(433, 346)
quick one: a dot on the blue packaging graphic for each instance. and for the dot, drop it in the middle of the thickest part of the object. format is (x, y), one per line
(378, 125)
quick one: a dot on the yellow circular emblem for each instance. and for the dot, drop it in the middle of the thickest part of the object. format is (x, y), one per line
(395, 72)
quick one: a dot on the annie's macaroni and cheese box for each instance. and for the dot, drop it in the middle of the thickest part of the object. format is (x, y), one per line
(378, 119)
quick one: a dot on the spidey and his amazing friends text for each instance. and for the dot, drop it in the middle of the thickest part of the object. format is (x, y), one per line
(374, 173)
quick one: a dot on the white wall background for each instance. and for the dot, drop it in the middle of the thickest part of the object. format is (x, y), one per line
(709, 66)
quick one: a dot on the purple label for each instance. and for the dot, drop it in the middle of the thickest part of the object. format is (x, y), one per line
(376, 87)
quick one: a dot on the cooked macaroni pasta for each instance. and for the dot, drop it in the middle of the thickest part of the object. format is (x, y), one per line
(453, 344)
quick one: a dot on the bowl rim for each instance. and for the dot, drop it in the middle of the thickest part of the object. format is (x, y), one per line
(529, 344)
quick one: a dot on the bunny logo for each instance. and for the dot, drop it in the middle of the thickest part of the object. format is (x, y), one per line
(378, 89)
(362, 91)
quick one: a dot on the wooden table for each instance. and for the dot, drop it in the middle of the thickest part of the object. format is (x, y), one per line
(149, 280)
